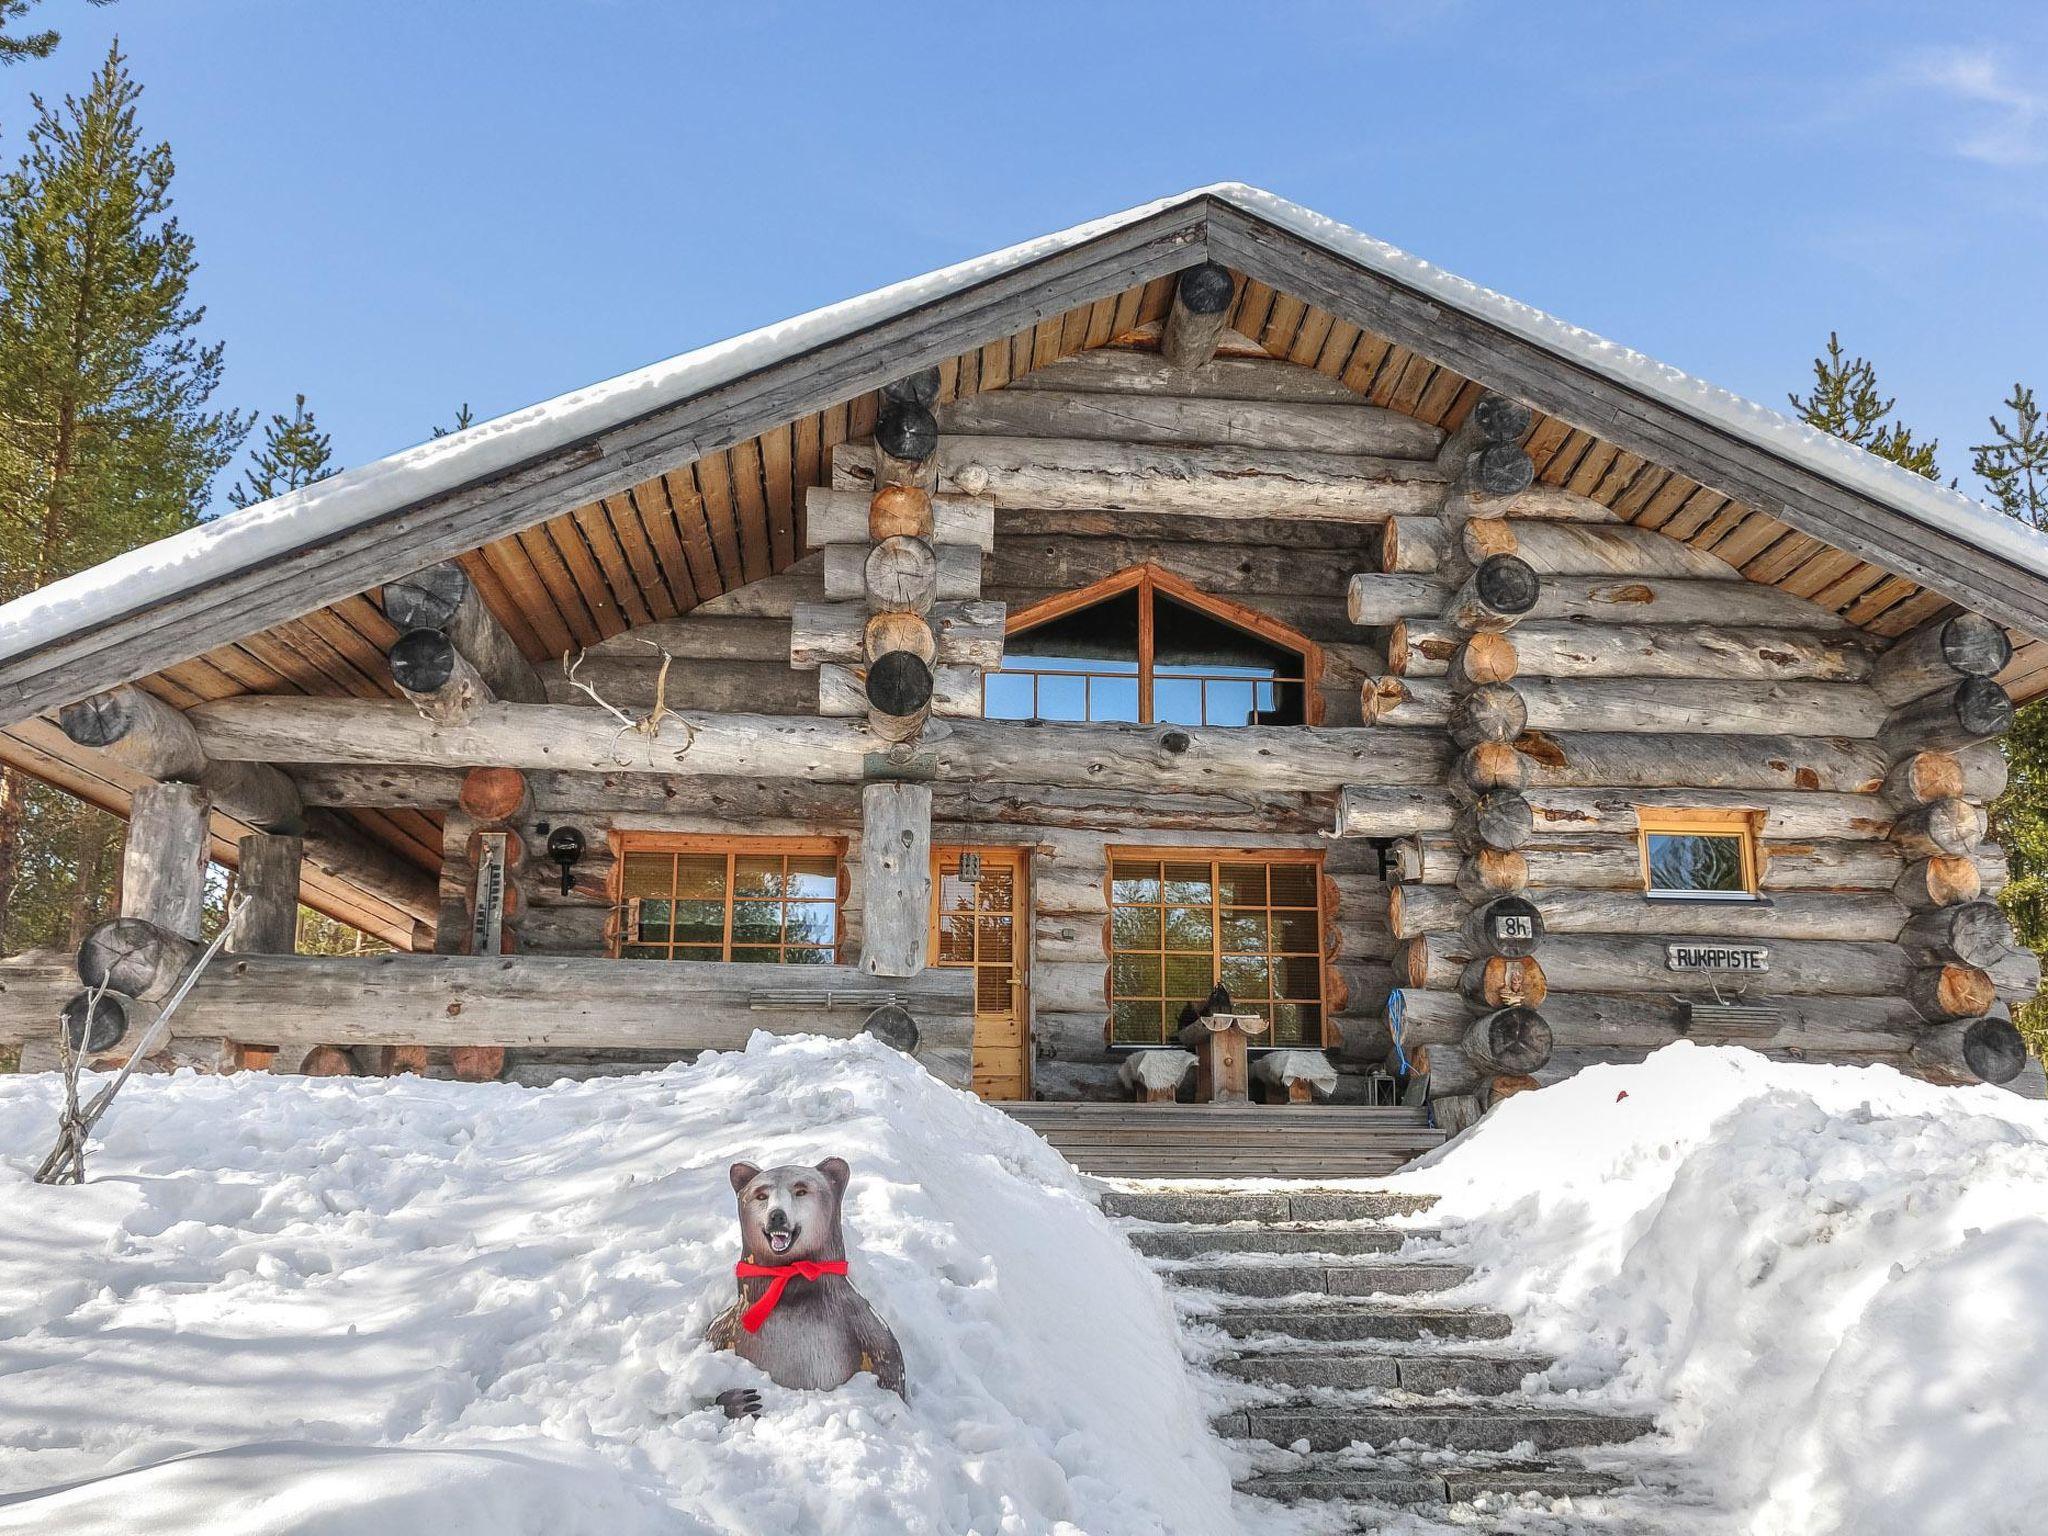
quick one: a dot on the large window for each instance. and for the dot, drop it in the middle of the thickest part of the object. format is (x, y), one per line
(1143, 645)
(1180, 921)
(1698, 855)
(763, 900)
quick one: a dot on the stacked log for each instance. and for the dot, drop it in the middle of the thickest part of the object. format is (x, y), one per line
(493, 803)
(1472, 568)
(452, 656)
(1941, 736)
(911, 638)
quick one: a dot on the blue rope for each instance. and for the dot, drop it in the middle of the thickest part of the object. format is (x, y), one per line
(1397, 1007)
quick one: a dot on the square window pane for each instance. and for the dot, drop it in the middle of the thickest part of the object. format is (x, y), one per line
(1241, 885)
(1188, 928)
(648, 874)
(955, 894)
(998, 890)
(1177, 700)
(698, 952)
(1006, 696)
(811, 922)
(1294, 933)
(1137, 1024)
(1244, 933)
(1112, 698)
(757, 875)
(1134, 882)
(1300, 979)
(813, 879)
(1137, 975)
(1187, 882)
(1296, 885)
(1062, 698)
(700, 922)
(1693, 861)
(756, 922)
(1189, 977)
(1134, 928)
(701, 875)
(654, 920)
(1297, 1024)
(1246, 978)
(1229, 701)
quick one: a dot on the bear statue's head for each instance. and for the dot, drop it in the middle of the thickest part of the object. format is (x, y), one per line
(792, 1212)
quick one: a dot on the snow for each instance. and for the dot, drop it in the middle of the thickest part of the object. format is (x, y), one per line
(274, 529)
(397, 1306)
(1830, 1282)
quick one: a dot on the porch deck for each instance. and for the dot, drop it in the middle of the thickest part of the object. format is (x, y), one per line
(1231, 1141)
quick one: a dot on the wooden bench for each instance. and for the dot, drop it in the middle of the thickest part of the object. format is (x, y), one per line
(1295, 1077)
(1155, 1076)
(1222, 1046)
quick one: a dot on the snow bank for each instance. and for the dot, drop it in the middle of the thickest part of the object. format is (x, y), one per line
(335, 1306)
(1832, 1281)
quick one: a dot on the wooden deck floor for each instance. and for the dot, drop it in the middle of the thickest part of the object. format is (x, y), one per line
(1210, 1141)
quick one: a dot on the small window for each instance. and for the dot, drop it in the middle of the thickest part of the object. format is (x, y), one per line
(1698, 855)
(1182, 920)
(749, 900)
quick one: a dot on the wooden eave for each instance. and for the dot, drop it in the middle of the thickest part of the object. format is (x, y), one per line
(650, 520)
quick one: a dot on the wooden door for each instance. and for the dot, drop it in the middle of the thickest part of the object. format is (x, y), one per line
(981, 921)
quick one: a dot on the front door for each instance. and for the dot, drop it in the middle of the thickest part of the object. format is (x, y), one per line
(981, 921)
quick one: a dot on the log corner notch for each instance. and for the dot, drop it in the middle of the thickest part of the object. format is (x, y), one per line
(1194, 323)
(901, 572)
(452, 655)
(1491, 589)
(1946, 711)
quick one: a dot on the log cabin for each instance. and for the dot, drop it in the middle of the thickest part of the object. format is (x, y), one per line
(999, 662)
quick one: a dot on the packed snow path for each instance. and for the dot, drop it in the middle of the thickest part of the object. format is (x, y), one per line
(1349, 1379)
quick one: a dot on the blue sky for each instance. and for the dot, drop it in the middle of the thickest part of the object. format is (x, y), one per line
(402, 206)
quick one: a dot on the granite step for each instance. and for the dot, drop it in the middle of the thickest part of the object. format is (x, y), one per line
(1397, 1485)
(1360, 1320)
(1194, 1242)
(1500, 1425)
(1391, 1279)
(1211, 1207)
(1356, 1371)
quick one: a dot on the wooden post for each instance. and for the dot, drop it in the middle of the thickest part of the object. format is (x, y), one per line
(163, 869)
(267, 882)
(1222, 1046)
(1201, 299)
(437, 677)
(441, 597)
(896, 877)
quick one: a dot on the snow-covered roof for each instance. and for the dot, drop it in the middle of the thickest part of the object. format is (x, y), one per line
(244, 539)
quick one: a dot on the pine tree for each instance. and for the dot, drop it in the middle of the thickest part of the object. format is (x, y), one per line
(2014, 464)
(294, 452)
(106, 435)
(32, 45)
(1846, 402)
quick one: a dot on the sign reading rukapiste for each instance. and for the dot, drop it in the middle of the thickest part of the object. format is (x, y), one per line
(1707, 955)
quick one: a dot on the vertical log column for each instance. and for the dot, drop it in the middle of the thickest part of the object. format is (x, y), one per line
(901, 573)
(267, 886)
(490, 807)
(163, 881)
(1942, 738)
(1492, 588)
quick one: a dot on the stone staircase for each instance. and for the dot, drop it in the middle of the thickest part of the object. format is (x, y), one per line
(1352, 1383)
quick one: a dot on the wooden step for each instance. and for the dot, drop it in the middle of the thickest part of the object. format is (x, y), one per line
(1195, 1242)
(1357, 1322)
(1369, 1371)
(1500, 1425)
(1389, 1279)
(1393, 1483)
(1211, 1207)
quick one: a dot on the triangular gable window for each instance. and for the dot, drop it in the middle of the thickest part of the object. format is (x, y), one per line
(1143, 645)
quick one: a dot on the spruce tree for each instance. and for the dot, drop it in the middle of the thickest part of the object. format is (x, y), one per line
(463, 417)
(1846, 402)
(2014, 464)
(294, 452)
(107, 435)
(16, 46)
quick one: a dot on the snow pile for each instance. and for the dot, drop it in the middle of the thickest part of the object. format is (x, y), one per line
(341, 1306)
(1832, 1281)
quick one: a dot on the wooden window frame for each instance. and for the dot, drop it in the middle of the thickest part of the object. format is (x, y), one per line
(624, 843)
(1312, 858)
(1700, 821)
(1148, 580)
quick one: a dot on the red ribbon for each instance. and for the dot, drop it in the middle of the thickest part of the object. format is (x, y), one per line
(780, 1275)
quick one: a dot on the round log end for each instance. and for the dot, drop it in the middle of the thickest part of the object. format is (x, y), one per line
(1491, 765)
(907, 430)
(426, 599)
(329, 1061)
(423, 661)
(1501, 420)
(1485, 657)
(1983, 709)
(492, 794)
(900, 511)
(1397, 648)
(1205, 290)
(1502, 469)
(95, 1022)
(1507, 584)
(899, 684)
(132, 956)
(1994, 1050)
(99, 721)
(1975, 646)
(1510, 926)
(1510, 1040)
(1490, 712)
(887, 632)
(477, 1063)
(919, 388)
(893, 1026)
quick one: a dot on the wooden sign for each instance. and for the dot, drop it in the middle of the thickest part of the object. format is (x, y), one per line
(1509, 926)
(487, 918)
(1706, 955)
(970, 868)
